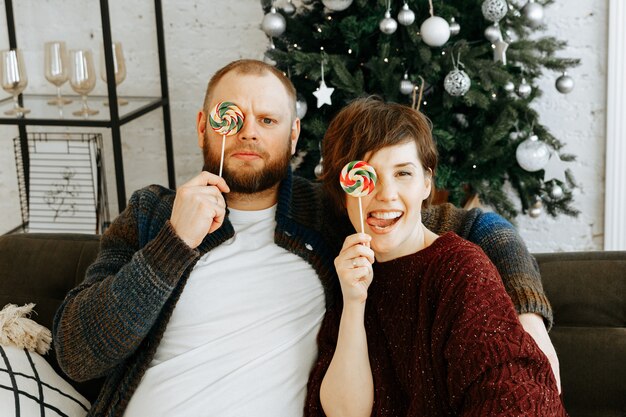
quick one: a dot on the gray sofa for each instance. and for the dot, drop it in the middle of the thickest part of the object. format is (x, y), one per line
(587, 291)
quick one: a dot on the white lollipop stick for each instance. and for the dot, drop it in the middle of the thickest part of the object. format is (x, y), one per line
(361, 214)
(222, 158)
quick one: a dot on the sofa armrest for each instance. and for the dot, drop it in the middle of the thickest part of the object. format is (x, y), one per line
(41, 268)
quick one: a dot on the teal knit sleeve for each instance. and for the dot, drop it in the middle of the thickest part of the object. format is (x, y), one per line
(517, 267)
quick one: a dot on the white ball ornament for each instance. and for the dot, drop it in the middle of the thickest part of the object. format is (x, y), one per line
(564, 84)
(494, 10)
(556, 192)
(435, 31)
(533, 13)
(509, 87)
(536, 209)
(273, 23)
(532, 154)
(336, 5)
(388, 24)
(406, 16)
(457, 83)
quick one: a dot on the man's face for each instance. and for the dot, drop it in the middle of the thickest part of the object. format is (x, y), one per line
(256, 158)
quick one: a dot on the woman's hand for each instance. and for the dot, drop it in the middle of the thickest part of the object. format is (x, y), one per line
(354, 268)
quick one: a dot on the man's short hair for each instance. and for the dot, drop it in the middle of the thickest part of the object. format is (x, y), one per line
(254, 67)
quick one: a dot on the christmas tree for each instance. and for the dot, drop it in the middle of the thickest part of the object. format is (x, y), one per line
(469, 66)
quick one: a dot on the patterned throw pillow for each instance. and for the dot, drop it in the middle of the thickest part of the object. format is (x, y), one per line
(29, 387)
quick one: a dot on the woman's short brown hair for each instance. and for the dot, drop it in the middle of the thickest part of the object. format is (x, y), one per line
(368, 125)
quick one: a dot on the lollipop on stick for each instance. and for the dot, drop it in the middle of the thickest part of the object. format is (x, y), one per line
(226, 119)
(358, 179)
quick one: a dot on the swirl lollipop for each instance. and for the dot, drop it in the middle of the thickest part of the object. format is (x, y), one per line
(358, 179)
(226, 119)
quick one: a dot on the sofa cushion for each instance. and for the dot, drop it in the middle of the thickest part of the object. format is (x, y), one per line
(29, 387)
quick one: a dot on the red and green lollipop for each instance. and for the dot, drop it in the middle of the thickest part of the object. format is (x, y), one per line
(226, 119)
(358, 179)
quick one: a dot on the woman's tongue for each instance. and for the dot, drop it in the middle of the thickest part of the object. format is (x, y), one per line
(380, 220)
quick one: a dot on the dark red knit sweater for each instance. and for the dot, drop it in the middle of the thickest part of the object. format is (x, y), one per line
(444, 340)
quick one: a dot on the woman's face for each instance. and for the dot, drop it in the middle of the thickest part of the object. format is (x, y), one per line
(392, 212)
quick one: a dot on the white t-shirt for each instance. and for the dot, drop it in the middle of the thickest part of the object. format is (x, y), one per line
(242, 338)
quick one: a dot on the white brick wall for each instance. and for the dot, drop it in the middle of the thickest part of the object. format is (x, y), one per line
(203, 36)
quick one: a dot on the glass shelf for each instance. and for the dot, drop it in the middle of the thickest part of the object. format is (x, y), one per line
(44, 114)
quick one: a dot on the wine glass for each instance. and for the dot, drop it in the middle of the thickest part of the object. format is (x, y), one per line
(55, 67)
(14, 80)
(82, 77)
(119, 68)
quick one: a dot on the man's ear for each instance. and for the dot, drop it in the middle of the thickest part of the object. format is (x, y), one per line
(295, 134)
(201, 127)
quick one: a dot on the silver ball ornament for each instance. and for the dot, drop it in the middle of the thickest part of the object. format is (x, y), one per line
(455, 28)
(337, 5)
(564, 84)
(509, 87)
(556, 192)
(524, 89)
(494, 10)
(435, 31)
(388, 24)
(301, 107)
(319, 168)
(536, 209)
(457, 83)
(492, 33)
(533, 13)
(406, 86)
(273, 23)
(289, 8)
(406, 16)
(532, 154)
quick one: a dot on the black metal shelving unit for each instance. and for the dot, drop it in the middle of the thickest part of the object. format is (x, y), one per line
(138, 106)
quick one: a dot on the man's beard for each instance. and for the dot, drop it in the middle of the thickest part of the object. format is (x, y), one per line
(251, 182)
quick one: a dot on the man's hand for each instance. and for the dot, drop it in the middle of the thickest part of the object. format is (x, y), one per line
(534, 326)
(199, 208)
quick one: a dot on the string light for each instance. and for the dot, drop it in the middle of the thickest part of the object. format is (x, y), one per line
(349, 50)
(320, 30)
(443, 52)
(386, 60)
